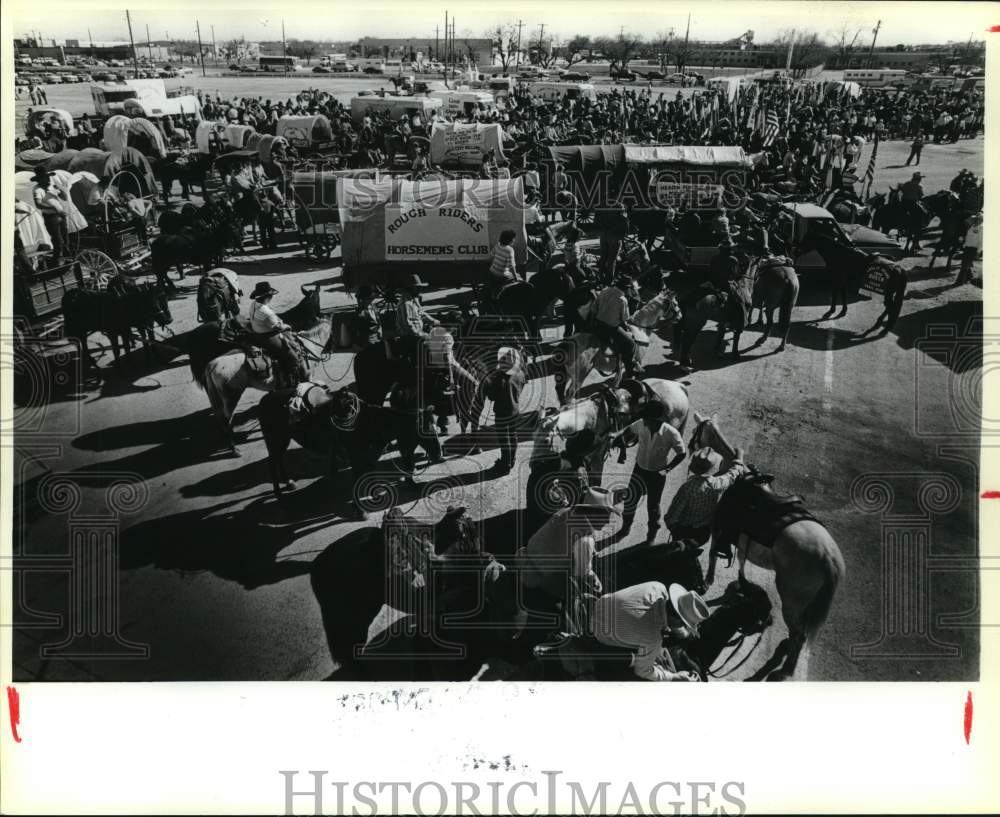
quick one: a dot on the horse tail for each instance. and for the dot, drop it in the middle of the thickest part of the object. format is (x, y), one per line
(818, 608)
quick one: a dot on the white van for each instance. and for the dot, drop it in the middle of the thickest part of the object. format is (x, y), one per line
(467, 102)
(168, 106)
(552, 91)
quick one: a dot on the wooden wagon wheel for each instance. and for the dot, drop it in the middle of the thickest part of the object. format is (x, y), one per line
(96, 267)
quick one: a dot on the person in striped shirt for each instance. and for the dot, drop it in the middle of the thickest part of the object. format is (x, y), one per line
(503, 265)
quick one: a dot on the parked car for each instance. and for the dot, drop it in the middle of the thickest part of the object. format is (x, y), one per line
(20, 80)
(322, 69)
(50, 78)
(85, 78)
(248, 69)
(574, 76)
(624, 76)
(232, 67)
(677, 79)
(371, 69)
(166, 73)
(104, 76)
(655, 75)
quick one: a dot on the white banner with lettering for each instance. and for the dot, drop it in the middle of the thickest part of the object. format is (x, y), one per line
(417, 232)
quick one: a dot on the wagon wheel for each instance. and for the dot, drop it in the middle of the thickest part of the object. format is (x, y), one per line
(96, 267)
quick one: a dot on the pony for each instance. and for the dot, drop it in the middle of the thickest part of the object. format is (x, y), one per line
(115, 312)
(808, 565)
(705, 302)
(225, 374)
(599, 415)
(585, 351)
(775, 286)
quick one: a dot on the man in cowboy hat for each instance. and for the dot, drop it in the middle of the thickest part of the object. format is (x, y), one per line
(411, 319)
(503, 387)
(610, 324)
(693, 506)
(268, 331)
(558, 559)
(657, 440)
(52, 203)
(910, 194)
(638, 617)
(724, 268)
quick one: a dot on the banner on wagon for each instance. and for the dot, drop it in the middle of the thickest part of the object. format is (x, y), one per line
(418, 232)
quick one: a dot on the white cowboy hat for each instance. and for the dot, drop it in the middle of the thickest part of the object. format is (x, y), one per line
(689, 605)
(600, 498)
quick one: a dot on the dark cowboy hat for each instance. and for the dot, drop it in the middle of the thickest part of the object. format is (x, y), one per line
(41, 175)
(412, 283)
(262, 290)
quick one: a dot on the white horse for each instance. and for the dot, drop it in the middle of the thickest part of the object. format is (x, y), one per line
(228, 376)
(807, 563)
(597, 414)
(585, 351)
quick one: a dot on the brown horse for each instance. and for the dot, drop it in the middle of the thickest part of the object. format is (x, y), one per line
(729, 311)
(806, 561)
(775, 285)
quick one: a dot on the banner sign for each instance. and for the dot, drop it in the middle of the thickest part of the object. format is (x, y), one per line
(464, 145)
(875, 278)
(696, 195)
(416, 232)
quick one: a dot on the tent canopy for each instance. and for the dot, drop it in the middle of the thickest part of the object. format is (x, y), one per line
(713, 157)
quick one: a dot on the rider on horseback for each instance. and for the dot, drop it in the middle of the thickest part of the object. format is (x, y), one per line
(611, 319)
(503, 266)
(268, 331)
(411, 319)
(910, 194)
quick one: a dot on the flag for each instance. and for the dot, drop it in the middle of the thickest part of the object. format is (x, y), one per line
(770, 129)
(870, 172)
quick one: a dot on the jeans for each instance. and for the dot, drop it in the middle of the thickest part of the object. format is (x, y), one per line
(507, 439)
(914, 152)
(651, 484)
(620, 340)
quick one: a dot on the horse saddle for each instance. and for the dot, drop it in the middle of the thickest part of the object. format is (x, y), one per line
(639, 394)
(762, 515)
(258, 362)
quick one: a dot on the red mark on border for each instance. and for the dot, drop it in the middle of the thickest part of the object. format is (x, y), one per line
(990, 495)
(993, 29)
(968, 717)
(14, 706)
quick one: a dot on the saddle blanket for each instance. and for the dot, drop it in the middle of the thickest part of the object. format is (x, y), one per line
(763, 522)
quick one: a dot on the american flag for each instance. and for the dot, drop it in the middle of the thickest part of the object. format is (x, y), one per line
(770, 129)
(870, 172)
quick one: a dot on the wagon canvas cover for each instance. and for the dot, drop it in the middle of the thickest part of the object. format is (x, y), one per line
(435, 221)
(456, 144)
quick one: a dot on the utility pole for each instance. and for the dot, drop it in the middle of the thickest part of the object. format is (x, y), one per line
(284, 51)
(871, 51)
(215, 53)
(201, 52)
(437, 30)
(149, 44)
(135, 59)
(541, 37)
(684, 53)
(444, 62)
(791, 48)
(517, 58)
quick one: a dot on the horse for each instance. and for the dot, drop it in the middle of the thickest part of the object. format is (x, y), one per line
(947, 207)
(431, 573)
(845, 265)
(335, 423)
(225, 374)
(115, 312)
(188, 168)
(847, 208)
(775, 285)
(704, 302)
(890, 212)
(807, 563)
(205, 247)
(599, 415)
(217, 298)
(529, 300)
(585, 351)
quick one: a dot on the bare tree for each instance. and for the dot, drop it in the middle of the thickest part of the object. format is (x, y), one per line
(662, 45)
(619, 50)
(503, 36)
(808, 50)
(547, 52)
(845, 40)
(576, 49)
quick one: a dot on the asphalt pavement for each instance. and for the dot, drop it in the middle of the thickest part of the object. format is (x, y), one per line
(213, 575)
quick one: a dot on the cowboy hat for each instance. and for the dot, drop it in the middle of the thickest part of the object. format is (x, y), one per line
(263, 289)
(506, 358)
(918, 175)
(596, 500)
(412, 282)
(704, 461)
(41, 174)
(689, 605)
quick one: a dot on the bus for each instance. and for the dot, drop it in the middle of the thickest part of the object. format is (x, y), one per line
(279, 64)
(877, 77)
